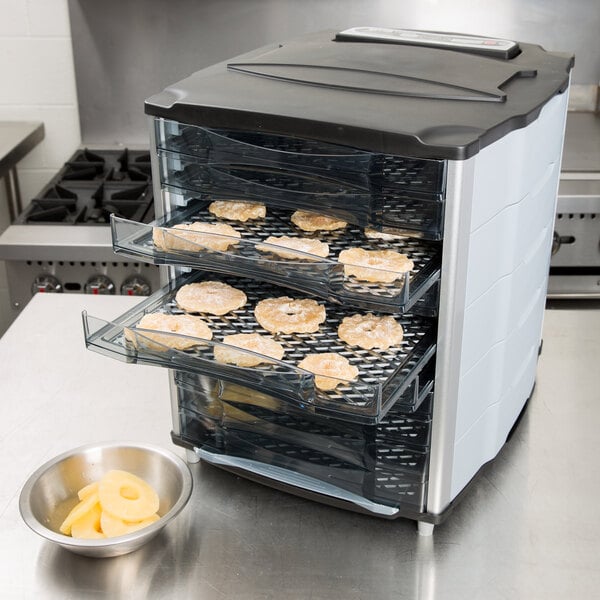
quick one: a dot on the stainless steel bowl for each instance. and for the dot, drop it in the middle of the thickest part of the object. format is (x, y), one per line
(51, 492)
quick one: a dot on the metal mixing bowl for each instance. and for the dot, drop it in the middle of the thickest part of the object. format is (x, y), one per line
(51, 492)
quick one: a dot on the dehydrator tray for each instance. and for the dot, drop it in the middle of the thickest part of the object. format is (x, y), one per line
(409, 210)
(370, 170)
(384, 375)
(391, 475)
(323, 277)
(228, 405)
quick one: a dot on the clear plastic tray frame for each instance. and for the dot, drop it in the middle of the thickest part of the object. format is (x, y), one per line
(384, 375)
(249, 256)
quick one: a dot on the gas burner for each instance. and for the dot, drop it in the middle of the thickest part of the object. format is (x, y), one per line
(133, 166)
(131, 174)
(94, 184)
(86, 156)
(129, 202)
(56, 204)
(74, 171)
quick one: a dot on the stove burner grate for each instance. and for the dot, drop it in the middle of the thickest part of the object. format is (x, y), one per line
(92, 185)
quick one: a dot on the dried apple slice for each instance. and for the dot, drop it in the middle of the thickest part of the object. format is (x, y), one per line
(127, 497)
(113, 527)
(78, 512)
(88, 526)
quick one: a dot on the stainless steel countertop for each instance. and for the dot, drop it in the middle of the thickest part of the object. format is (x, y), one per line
(527, 528)
(17, 138)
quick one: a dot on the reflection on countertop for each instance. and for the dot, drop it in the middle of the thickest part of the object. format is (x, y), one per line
(524, 529)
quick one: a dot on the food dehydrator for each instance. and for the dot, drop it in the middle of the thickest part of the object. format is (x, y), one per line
(449, 145)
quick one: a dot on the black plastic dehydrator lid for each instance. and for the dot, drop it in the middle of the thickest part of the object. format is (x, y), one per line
(394, 98)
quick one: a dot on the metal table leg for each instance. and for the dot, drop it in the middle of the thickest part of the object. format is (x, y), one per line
(13, 193)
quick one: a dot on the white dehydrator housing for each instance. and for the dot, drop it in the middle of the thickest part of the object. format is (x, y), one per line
(453, 142)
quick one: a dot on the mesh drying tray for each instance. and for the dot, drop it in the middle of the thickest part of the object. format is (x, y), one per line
(322, 277)
(384, 375)
(360, 186)
(416, 213)
(362, 168)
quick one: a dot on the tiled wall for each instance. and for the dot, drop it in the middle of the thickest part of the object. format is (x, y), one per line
(38, 84)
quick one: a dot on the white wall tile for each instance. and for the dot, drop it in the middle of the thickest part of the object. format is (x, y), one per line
(36, 158)
(48, 17)
(13, 18)
(62, 137)
(38, 84)
(37, 71)
(20, 112)
(61, 133)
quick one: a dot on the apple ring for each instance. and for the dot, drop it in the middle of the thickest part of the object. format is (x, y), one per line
(234, 210)
(185, 325)
(213, 297)
(381, 266)
(330, 369)
(308, 221)
(287, 315)
(190, 237)
(306, 245)
(368, 331)
(255, 342)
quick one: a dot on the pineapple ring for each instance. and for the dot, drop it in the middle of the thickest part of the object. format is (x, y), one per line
(88, 527)
(90, 488)
(113, 527)
(79, 511)
(127, 497)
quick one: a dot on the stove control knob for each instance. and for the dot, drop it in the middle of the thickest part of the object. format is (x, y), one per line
(99, 284)
(555, 243)
(47, 284)
(135, 286)
(559, 240)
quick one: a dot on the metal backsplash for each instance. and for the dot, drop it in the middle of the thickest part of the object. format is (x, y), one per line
(127, 50)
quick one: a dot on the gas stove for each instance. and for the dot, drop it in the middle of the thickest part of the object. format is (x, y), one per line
(575, 265)
(91, 186)
(62, 243)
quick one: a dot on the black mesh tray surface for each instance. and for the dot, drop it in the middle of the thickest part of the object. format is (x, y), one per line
(323, 277)
(384, 375)
(418, 213)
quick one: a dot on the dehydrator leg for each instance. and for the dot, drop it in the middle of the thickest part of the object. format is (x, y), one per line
(425, 528)
(191, 456)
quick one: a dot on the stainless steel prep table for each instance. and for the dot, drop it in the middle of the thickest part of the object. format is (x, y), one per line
(527, 528)
(17, 139)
